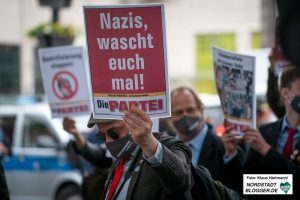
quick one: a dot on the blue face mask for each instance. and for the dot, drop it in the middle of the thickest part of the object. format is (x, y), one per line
(296, 104)
(188, 125)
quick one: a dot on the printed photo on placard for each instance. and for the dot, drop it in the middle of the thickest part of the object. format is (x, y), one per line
(235, 79)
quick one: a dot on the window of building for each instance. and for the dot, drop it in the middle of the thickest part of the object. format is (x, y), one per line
(255, 40)
(9, 69)
(205, 78)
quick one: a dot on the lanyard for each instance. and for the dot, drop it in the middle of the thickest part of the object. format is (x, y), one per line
(127, 175)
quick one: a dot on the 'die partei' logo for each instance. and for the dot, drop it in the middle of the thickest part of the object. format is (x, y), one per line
(285, 187)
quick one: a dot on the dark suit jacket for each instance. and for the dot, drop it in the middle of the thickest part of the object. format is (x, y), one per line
(94, 153)
(272, 163)
(273, 96)
(211, 155)
(171, 180)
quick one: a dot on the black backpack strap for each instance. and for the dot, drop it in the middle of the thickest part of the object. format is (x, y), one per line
(203, 187)
(208, 188)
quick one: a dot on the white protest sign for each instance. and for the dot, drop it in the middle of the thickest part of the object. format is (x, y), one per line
(65, 80)
(235, 79)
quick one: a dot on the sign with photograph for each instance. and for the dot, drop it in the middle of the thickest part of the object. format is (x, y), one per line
(127, 59)
(235, 78)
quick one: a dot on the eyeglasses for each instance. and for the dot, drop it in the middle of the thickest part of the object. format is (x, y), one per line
(111, 133)
(188, 111)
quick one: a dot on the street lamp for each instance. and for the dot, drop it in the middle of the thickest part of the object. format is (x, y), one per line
(50, 40)
(56, 5)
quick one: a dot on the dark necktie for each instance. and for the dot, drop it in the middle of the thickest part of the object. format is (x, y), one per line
(288, 147)
(116, 178)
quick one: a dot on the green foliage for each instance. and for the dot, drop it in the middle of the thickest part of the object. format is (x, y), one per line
(256, 40)
(205, 82)
(55, 29)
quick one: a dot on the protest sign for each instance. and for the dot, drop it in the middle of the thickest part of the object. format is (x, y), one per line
(65, 80)
(235, 78)
(127, 59)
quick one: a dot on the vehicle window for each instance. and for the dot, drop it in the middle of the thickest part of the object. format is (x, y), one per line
(37, 134)
(6, 131)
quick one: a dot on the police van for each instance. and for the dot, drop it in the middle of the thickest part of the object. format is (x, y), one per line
(37, 166)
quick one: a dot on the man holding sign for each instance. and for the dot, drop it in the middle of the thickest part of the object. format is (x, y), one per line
(274, 147)
(127, 59)
(144, 167)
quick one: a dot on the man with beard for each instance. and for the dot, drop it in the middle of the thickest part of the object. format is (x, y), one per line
(144, 168)
(189, 120)
(274, 147)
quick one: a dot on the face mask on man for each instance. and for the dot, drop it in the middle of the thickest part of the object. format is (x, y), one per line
(188, 125)
(296, 104)
(121, 148)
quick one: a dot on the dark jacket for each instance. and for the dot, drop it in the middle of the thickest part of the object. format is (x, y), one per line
(95, 154)
(93, 182)
(272, 163)
(4, 195)
(273, 96)
(211, 155)
(171, 180)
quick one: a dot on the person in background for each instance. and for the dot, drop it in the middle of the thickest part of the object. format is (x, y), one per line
(96, 162)
(4, 194)
(188, 118)
(143, 168)
(166, 127)
(274, 147)
(83, 147)
(273, 96)
(4, 141)
(264, 114)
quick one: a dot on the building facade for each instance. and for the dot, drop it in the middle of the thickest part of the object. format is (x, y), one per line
(192, 27)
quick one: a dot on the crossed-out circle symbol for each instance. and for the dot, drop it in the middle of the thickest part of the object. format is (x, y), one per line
(64, 85)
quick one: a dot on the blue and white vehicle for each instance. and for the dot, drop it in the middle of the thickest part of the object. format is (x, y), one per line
(37, 166)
